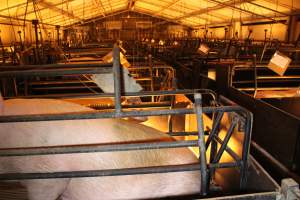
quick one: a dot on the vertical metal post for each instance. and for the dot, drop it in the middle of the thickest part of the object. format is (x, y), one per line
(170, 118)
(35, 23)
(21, 42)
(201, 143)
(255, 74)
(151, 75)
(117, 78)
(57, 32)
(246, 150)
(3, 50)
(266, 30)
(214, 146)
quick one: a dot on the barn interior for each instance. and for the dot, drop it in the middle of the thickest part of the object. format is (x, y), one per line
(221, 77)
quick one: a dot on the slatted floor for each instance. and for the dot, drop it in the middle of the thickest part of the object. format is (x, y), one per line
(12, 191)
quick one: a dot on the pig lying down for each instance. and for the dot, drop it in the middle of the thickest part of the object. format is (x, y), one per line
(95, 131)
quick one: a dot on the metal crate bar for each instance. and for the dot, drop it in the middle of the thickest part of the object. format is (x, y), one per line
(117, 80)
(247, 140)
(70, 149)
(198, 109)
(55, 66)
(55, 72)
(122, 114)
(228, 149)
(111, 172)
(141, 94)
(201, 144)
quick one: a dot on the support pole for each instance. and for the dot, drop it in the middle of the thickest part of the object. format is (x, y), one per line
(255, 75)
(35, 23)
(57, 32)
(201, 143)
(117, 78)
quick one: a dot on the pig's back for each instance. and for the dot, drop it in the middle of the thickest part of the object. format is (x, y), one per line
(67, 131)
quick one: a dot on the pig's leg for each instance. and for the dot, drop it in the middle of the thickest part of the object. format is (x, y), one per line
(45, 189)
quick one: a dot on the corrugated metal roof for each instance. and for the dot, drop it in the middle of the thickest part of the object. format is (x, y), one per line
(189, 12)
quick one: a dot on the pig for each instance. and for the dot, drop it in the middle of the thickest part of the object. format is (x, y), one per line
(92, 131)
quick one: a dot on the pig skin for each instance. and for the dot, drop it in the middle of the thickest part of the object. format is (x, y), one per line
(95, 131)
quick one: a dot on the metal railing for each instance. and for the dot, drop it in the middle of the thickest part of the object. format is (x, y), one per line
(206, 168)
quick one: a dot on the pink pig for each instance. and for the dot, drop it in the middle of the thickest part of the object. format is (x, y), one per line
(69, 132)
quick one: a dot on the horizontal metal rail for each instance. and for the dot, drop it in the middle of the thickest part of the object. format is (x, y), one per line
(55, 72)
(128, 94)
(71, 149)
(49, 66)
(113, 114)
(112, 172)
(204, 168)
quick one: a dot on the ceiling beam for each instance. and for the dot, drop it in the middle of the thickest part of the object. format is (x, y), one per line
(97, 18)
(130, 5)
(20, 19)
(44, 8)
(167, 7)
(166, 20)
(52, 7)
(242, 10)
(175, 10)
(100, 5)
(267, 8)
(229, 22)
(207, 10)
(279, 3)
(212, 8)
(59, 18)
(15, 6)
